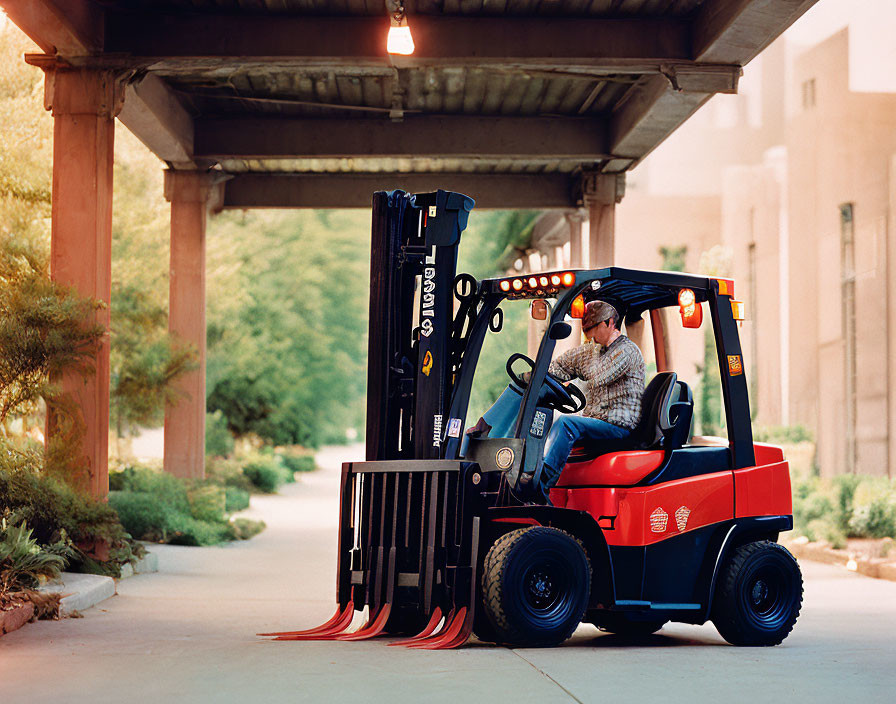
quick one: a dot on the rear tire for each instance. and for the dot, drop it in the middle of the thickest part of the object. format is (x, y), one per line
(759, 595)
(535, 586)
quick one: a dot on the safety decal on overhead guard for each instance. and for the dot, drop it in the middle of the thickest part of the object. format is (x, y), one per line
(428, 300)
(427, 363)
(681, 517)
(659, 519)
(437, 430)
(735, 365)
(454, 428)
(537, 429)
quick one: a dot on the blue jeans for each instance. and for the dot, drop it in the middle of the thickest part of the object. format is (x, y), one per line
(565, 432)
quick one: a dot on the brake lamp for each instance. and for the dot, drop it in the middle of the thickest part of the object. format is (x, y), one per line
(505, 285)
(577, 307)
(568, 278)
(517, 284)
(737, 310)
(691, 311)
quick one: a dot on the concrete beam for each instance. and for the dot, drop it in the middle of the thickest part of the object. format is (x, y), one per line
(478, 40)
(65, 27)
(491, 191)
(649, 115)
(154, 114)
(415, 136)
(736, 31)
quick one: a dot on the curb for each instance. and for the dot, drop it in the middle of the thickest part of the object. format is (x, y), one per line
(878, 568)
(147, 564)
(80, 591)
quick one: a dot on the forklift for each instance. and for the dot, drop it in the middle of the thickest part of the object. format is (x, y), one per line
(665, 526)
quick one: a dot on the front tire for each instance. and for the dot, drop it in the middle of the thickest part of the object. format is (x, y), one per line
(759, 595)
(535, 586)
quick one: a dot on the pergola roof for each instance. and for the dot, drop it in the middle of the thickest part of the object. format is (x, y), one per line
(510, 101)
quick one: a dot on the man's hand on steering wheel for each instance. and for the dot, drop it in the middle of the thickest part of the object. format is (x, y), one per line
(566, 399)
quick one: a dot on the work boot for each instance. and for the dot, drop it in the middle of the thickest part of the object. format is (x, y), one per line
(528, 493)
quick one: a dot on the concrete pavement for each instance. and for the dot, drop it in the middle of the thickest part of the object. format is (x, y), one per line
(187, 634)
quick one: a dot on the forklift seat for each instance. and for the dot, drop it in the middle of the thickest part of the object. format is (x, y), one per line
(666, 409)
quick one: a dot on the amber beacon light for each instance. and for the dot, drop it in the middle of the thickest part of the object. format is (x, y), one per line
(399, 40)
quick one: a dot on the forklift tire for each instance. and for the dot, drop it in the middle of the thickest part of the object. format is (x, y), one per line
(759, 595)
(535, 586)
(618, 623)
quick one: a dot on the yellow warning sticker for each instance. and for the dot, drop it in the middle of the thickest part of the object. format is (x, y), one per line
(427, 363)
(735, 365)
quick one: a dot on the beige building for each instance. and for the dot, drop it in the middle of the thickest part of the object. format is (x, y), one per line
(796, 179)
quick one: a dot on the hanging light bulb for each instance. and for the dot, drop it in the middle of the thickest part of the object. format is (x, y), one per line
(399, 40)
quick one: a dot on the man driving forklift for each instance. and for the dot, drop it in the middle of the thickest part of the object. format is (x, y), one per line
(613, 368)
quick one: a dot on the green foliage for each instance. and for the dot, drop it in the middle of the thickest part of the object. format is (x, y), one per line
(287, 322)
(235, 499)
(782, 434)
(23, 563)
(159, 507)
(849, 505)
(674, 258)
(218, 440)
(266, 474)
(245, 528)
(144, 361)
(57, 513)
(298, 463)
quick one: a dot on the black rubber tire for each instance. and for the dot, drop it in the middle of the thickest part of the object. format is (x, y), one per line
(618, 623)
(758, 596)
(535, 586)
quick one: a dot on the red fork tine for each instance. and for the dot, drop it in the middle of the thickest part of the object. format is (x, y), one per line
(462, 637)
(427, 631)
(448, 632)
(338, 621)
(372, 628)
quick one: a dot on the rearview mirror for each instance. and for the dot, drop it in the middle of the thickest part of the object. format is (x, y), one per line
(539, 310)
(560, 331)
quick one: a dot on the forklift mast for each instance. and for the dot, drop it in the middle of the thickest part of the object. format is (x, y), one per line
(414, 343)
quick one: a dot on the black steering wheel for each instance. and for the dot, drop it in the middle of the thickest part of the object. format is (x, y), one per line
(566, 399)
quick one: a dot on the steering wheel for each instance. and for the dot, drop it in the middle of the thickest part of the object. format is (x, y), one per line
(566, 399)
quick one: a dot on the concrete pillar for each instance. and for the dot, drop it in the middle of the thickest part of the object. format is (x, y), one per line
(189, 193)
(600, 194)
(84, 103)
(574, 221)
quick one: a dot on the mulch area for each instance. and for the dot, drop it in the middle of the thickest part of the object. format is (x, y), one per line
(868, 556)
(19, 608)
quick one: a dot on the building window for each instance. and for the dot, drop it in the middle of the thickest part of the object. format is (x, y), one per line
(809, 94)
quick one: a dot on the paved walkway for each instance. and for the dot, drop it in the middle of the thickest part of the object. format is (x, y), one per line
(187, 634)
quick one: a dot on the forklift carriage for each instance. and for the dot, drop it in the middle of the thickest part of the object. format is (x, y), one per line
(662, 528)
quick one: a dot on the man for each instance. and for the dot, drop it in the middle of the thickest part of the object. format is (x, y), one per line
(614, 373)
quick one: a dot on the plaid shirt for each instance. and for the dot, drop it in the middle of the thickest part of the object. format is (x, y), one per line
(615, 376)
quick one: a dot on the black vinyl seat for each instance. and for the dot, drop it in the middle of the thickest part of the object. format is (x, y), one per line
(667, 407)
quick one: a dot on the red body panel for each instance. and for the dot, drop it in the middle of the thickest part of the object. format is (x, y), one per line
(648, 514)
(698, 501)
(613, 469)
(763, 491)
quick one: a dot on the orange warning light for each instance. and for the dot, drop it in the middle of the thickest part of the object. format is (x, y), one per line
(543, 280)
(726, 287)
(533, 282)
(737, 310)
(555, 280)
(505, 285)
(577, 307)
(691, 311)
(517, 284)
(568, 278)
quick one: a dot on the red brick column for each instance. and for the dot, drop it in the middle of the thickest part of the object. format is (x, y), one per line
(189, 193)
(84, 103)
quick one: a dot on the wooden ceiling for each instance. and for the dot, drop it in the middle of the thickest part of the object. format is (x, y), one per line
(512, 101)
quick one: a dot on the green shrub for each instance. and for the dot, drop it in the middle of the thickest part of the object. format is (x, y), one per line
(298, 463)
(826, 529)
(57, 513)
(235, 499)
(845, 487)
(245, 528)
(159, 522)
(218, 440)
(265, 475)
(227, 473)
(207, 503)
(23, 563)
(782, 434)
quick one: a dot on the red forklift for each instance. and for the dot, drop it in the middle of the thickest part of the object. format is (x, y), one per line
(663, 527)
